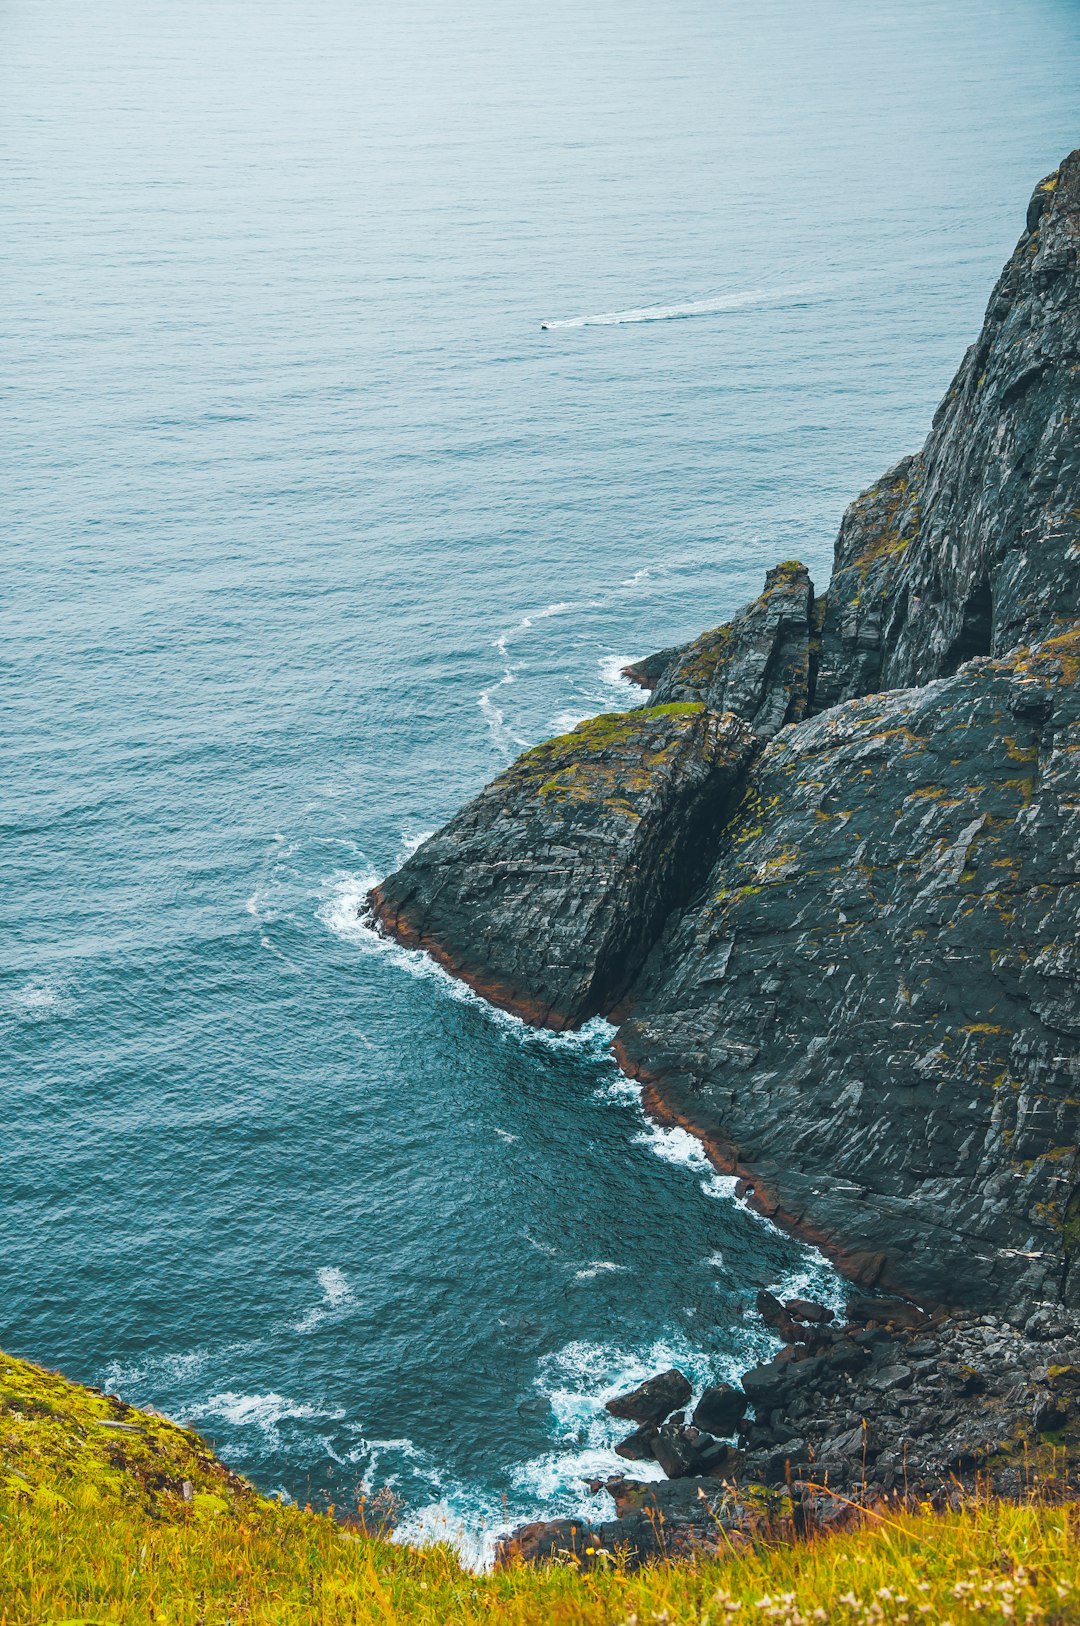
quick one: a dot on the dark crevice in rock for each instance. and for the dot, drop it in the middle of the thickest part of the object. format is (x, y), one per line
(976, 630)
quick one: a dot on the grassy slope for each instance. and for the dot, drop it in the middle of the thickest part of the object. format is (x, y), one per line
(113, 1525)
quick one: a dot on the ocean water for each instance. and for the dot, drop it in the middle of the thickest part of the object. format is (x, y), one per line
(311, 524)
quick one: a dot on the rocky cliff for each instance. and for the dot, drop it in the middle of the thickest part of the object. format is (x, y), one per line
(827, 875)
(547, 891)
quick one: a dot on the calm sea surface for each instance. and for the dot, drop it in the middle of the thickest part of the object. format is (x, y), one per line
(309, 528)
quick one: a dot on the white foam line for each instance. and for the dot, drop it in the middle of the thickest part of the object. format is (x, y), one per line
(261, 1411)
(813, 1278)
(611, 674)
(337, 1294)
(342, 911)
(410, 841)
(494, 714)
(671, 313)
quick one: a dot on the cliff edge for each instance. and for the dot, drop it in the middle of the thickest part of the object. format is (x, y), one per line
(827, 875)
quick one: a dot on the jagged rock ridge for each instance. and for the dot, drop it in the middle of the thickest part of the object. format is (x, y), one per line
(870, 1006)
(758, 665)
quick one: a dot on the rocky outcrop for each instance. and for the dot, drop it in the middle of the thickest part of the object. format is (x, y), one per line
(653, 1400)
(547, 891)
(869, 1005)
(758, 665)
(973, 546)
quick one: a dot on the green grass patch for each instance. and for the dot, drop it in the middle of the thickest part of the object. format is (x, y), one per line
(993, 1563)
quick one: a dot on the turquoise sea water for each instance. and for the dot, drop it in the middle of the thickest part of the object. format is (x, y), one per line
(310, 526)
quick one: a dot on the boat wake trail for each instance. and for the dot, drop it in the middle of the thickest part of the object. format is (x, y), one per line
(673, 313)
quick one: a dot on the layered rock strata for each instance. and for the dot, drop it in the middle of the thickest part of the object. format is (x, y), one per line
(972, 547)
(547, 891)
(860, 984)
(871, 1010)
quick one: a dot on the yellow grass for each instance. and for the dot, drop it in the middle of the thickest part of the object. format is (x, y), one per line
(113, 1515)
(991, 1563)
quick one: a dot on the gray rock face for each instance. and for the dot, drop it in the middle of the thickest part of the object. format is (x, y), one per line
(548, 890)
(873, 1009)
(973, 546)
(757, 665)
(860, 987)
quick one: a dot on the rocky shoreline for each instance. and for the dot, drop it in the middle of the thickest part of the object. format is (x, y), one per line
(888, 1404)
(826, 880)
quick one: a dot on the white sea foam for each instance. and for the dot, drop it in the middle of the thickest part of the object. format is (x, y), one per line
(504, 1134)
(410, 841)
(495, 715)
(38, 1000)
(161, 1371)
(813, 1277)
(342, 912)
(376, 1477)
(576, 1380)
(541, 1247)
(564, 721)
(692, 307)
(336, 1294)
(611, 673)
(675, 1146)
(598, 1267)
(459, 1521)
(332, 1281)
(259, 1411)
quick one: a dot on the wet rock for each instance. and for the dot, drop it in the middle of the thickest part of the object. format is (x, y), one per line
(546, 892)
(790, 1458)
(847, 1357)
(882, 1311)
(677, 1450)
(1045, 1323)
(765, 1384)
(654, 1400)
(547, 1540)
(682, 1450)
(808, 1310)
(637, 1447)
(891, 1377)
(647, 673)
(720, 1410)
